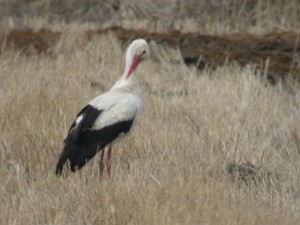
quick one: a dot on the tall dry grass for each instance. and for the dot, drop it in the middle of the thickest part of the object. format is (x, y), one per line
(174, 168)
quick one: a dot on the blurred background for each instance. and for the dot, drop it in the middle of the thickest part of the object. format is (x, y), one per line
(200, 15)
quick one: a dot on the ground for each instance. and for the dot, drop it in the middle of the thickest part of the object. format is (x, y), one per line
(275, 54)
(219, 139)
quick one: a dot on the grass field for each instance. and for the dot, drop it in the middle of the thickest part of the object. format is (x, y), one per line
(218, 146)
(205, 16)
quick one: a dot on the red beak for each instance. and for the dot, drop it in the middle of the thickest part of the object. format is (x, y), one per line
(135, 62)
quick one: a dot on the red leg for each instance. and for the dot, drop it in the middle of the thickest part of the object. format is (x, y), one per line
(108, 160)
(101, 163)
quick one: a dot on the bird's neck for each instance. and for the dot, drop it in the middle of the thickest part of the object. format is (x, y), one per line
(131, 84)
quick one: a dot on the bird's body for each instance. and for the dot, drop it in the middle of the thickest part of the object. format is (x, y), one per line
(106, 118)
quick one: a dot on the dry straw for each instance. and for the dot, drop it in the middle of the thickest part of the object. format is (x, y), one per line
(174, 169)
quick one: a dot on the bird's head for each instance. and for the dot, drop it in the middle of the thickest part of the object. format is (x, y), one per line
(137, 51)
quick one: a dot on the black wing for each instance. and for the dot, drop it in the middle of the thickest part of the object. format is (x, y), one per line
(82, 143)
(89, 114)
(105, 135)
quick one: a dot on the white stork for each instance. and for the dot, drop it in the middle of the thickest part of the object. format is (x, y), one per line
(107, 117)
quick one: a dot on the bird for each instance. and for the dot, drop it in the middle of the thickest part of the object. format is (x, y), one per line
(107, 118)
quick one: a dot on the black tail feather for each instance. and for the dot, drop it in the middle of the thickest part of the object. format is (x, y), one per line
(77, 156)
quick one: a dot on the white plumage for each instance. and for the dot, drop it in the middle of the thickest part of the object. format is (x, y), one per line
(116, 107)
(107, 117)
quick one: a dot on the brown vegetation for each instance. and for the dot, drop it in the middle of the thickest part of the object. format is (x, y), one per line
(174, 169)
(208, 15)
(276, 52)
(214, 146)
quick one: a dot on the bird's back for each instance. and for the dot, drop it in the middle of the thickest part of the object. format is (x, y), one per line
(104, 120)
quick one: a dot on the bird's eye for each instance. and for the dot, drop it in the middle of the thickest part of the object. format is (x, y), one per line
(144, 52)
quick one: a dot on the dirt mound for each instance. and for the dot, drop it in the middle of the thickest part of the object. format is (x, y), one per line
(278, 51)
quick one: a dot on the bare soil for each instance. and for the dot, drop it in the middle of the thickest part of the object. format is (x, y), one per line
(276, 52)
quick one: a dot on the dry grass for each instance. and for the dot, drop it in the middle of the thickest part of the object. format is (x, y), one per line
(173, 169)
(206, 16)
(216, 147)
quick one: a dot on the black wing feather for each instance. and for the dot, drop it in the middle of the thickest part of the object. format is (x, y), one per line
(90, 114)
(82, 143)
